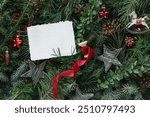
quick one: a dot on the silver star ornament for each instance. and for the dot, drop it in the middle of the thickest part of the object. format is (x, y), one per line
(110, 58)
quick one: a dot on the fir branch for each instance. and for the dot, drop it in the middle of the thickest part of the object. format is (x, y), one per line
(22, 92)
(45, 89)
(125, 8)
(126, 92)
(142, 5)
(17, 83)
(21, 17)
(70, 8)
(3, 77)
(18, 22)
(112, 95)
(2, 4)
(22, 68)
(138, 96)
(130, 89)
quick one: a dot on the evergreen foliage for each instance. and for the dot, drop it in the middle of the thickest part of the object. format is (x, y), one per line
(118, 83)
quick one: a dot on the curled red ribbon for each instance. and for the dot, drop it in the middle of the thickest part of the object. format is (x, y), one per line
(86, 50)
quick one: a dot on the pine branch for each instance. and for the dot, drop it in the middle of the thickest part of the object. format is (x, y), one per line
(23, 92)
(112, 95)
(125, 8)
(2, 4)
(22, 68)
(16, 25)
(130, 89)
(70, 8)
(3, 77)
(138, 96)
(126, 92)
(22, 54)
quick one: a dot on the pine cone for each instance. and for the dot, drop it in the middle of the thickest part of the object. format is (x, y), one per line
(109, 28)
(64, 2)
(79, 9)
(130, 41)
(16, 15)
(144, 82)
(37, 6)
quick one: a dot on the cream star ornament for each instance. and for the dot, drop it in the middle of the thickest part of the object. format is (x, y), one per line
(110, 58)
(36, 72)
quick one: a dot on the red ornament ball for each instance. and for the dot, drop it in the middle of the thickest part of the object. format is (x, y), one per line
(17, 42)
(103, 13)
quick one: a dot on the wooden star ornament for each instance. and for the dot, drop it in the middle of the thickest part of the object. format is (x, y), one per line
(36, 72)
(110, 58)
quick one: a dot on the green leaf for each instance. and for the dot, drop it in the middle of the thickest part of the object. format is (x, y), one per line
(136, 71)
(126, 74)
(129, 70)
(135, 63)
(103, 86)
(140, 73)
(142, 68)
(94, 12)
(96, 73)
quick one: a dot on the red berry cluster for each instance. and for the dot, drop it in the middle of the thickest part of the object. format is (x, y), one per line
(103, 13)
(17, 42)
(130, 41)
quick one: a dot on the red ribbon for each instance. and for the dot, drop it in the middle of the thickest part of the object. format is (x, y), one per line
(86, 50)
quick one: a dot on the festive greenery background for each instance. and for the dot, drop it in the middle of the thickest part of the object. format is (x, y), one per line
(130, 81)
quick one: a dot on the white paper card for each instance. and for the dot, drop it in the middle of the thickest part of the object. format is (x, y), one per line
(51, 40)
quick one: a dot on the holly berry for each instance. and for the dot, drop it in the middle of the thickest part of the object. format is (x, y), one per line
(17, 42)
(103, 13)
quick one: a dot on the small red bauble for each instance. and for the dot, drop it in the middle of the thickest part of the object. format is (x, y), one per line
(17, 42)
(103, 13)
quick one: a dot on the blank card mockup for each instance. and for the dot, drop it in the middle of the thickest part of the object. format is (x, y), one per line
(51, 40)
